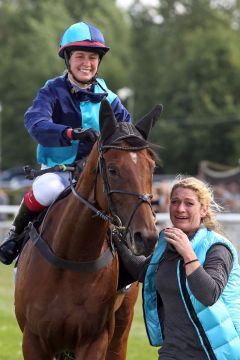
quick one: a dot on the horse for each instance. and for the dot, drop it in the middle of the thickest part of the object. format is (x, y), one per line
(66, 290)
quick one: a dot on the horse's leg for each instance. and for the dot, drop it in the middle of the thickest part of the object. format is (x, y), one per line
(95, 349)
(33, 348)
(117, 349)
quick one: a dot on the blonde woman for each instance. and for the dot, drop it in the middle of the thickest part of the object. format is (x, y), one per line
(191, 283)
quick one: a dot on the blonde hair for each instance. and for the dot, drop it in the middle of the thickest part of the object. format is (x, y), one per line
(205, 196)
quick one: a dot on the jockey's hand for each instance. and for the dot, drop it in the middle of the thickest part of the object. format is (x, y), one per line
(88, 135)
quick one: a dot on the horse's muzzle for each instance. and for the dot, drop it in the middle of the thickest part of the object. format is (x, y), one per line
(143, 242)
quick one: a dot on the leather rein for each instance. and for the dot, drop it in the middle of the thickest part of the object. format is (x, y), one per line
(117, 228)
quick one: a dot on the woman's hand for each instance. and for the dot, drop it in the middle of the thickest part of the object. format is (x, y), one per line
(181, 242)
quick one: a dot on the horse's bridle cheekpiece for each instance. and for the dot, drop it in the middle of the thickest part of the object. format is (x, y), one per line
(125, 131)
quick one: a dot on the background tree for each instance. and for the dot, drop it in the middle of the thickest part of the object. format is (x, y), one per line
(189, 60)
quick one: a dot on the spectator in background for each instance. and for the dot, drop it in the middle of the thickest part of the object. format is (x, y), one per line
(228, 195)
(160, 199)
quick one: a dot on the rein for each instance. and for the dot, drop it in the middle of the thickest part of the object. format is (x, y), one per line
(117, 228)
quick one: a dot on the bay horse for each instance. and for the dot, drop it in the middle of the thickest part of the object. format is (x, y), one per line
(66, 297)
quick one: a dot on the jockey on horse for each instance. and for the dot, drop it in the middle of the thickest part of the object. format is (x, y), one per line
(64, 120)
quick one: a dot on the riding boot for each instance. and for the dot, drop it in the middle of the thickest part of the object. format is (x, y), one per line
(11, 246)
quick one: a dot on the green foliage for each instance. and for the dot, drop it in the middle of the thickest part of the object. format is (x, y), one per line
(29, 59)
(190, 62)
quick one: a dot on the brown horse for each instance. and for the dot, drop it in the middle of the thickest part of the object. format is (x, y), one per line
(66, 297)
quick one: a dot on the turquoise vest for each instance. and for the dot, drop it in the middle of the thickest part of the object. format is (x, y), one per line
(52, 156)
(218, 326)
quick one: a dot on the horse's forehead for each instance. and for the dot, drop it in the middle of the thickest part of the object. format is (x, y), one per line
(128, 158)
(134, 157)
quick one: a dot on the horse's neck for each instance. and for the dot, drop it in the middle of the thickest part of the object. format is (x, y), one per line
(79, 231)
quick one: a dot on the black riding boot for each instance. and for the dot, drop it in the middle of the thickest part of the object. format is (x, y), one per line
(11, 246)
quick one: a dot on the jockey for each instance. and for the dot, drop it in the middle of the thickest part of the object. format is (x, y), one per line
(64, 120)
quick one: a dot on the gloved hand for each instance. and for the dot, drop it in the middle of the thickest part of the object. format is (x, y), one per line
(85, 135)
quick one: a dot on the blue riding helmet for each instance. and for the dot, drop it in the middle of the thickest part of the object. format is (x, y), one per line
(82, 36)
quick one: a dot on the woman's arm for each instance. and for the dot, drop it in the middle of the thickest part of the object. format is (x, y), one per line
(208, 282)
(135, 265)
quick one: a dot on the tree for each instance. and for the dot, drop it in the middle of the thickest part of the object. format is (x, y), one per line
(189, 61)
(29, 59)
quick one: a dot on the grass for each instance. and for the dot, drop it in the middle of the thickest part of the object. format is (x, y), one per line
(10, 335)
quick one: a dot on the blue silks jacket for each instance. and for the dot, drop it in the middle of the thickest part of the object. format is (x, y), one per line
(217, 326)
(58, 106)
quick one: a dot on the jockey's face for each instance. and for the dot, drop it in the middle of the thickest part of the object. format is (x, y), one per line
(83, 65)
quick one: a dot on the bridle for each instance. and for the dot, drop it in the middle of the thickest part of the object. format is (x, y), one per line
(116, 228)
(113, 218)
(112, 136)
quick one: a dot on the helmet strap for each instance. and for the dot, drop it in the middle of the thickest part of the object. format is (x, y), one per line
(66, 59)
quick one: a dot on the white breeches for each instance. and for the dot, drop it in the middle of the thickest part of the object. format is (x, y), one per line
(47, 187)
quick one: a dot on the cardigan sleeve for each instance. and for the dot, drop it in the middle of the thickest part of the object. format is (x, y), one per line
(136, 265)
(208, 281)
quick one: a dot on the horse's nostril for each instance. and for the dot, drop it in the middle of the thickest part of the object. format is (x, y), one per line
(138, 240)
(144, 244)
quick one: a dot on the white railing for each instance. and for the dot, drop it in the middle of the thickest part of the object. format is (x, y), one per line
(9, 209)
(230, 222)
(161, 217)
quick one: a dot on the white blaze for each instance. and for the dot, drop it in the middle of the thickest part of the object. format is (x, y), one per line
(134, 157)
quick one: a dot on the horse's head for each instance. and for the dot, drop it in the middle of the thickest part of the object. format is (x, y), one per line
(126, 165)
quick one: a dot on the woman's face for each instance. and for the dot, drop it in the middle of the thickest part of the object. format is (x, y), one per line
(84, 65)
(186, 211)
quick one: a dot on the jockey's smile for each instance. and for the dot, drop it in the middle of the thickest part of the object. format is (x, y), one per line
(83, 66)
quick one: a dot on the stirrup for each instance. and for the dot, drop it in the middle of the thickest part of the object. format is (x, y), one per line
(11, 247)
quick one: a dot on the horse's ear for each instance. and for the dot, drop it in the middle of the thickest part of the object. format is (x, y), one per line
(145, 125)
(107, 121)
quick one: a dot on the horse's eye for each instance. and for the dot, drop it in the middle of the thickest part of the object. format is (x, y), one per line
(112, 171)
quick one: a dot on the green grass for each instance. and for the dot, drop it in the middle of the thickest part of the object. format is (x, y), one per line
(10, 335)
